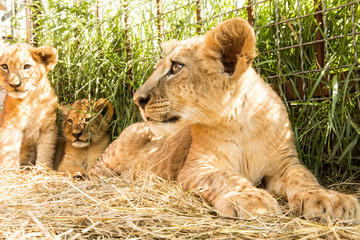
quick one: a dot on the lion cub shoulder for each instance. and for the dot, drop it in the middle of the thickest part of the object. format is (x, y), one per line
(85, 127)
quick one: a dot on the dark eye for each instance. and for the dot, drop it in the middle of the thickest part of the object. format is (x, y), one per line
(87, 120)
(4, 67)
(70, 121)
(27, 66)
(176, 67)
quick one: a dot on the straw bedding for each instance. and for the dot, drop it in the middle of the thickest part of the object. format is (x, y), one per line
(42, 204)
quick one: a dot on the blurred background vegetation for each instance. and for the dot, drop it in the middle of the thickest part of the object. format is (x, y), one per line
(307, 50)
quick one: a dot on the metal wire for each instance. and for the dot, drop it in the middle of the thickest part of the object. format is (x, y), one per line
(277, 39)
(280, 44)
(310, 43)
(353, 33)
(301, 50)
(299, 73)
(324, 10)
(301, 44)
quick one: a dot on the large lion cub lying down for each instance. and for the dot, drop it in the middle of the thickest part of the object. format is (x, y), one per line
(216, 127)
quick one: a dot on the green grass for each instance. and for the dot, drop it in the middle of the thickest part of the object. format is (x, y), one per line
(94, 62)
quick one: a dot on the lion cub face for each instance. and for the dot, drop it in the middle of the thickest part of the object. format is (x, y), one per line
(85, 121)
(21, 65)
(197, 79)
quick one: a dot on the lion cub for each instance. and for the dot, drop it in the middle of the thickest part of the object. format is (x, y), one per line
(28, 127)
(84, 126)
(214, 125)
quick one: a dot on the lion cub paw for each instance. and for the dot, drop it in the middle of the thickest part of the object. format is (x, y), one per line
(248, 204)
(324, 204)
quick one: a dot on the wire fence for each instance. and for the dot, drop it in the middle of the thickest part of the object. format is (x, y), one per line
(288, 32)
(307, 50)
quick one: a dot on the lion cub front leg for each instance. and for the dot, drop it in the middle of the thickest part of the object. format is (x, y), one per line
(307, 198)
(72, 162)
(10, 145)
(231, 194)
(46, 146)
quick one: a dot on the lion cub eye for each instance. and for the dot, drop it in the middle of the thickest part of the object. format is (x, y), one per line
(27, 66)
(70, 121)
(176, 67)
(4, 67)
(87, 120)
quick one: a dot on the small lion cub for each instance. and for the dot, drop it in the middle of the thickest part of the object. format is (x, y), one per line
(28, 129)
(84, 126)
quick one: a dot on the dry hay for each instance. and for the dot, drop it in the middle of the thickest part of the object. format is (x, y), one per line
(41, 204)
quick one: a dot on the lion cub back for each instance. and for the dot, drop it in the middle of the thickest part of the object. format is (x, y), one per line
(85, 127)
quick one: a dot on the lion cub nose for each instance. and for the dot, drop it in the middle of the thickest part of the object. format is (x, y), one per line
(15, 85)
(141, 101)
(77, 134)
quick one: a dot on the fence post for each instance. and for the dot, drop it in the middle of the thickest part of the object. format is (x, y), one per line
(36, 4)
(28, 21)
(319, 46)
(98, 22)
(158, 13)
(250, 12)
(127, 39)
(198, 16)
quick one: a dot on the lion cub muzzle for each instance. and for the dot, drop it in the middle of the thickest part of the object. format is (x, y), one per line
(81, 139)
(16, 86)
(80, 136)
(155, 108)
(77, 134)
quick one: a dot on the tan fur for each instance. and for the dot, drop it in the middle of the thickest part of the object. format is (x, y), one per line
(217, 128)
(139, 148)
(28, 129)
(84, 128)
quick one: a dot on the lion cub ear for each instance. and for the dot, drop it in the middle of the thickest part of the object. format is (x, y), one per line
(234, 43)
(105, 108)
(46, 55)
